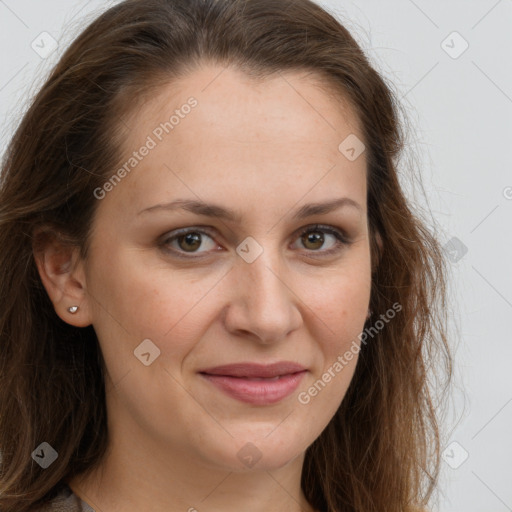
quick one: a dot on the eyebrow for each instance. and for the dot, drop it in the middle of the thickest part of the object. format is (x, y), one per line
(212, 210)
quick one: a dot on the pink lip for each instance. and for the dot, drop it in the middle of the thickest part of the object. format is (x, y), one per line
(239, 381)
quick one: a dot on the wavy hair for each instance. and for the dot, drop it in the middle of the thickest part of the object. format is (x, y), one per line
(381, 450)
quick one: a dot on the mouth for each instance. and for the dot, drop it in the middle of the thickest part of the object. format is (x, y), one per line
(255, 383)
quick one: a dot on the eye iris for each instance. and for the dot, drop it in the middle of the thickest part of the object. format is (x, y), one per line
(315, 237)
(194, 238)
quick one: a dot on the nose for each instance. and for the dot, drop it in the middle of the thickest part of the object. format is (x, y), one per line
(262, 302)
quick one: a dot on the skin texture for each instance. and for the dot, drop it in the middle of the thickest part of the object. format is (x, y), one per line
(263, 149)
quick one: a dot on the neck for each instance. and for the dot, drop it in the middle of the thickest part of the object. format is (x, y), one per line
(141, 475)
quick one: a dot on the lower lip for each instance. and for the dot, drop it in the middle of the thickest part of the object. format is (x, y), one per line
(258, 392)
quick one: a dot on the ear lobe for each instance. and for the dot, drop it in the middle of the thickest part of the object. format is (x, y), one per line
(63, 277)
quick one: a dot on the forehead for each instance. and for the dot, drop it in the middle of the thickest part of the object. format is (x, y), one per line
(227, 97)
(282, 133)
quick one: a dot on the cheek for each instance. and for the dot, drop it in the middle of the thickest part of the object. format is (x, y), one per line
(341, 311)
(341, 314)
(341, 305)
(140, 301)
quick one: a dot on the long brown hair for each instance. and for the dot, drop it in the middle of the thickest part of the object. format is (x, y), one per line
(381, 450)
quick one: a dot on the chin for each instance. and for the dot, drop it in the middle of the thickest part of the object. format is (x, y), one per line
(255, 453)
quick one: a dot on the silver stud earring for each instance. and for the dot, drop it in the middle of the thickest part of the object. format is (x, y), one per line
(369, 314)
(73, 309)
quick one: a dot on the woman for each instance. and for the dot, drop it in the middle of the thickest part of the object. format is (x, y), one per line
(215, 295)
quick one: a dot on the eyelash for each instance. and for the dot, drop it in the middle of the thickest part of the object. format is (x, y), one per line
(341, 240)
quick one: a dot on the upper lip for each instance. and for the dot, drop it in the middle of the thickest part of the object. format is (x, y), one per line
(255, 370)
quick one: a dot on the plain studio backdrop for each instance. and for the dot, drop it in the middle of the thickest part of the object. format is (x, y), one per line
(449, 63)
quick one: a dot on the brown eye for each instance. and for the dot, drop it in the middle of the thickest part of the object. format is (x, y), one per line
(313, 238)
(190, 241)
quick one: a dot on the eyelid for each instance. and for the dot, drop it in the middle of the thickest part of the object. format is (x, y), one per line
(342, 239)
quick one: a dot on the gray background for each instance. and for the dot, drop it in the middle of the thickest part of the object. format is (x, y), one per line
(459, 106)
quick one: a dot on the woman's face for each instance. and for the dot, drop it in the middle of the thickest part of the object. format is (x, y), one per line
(247, 289)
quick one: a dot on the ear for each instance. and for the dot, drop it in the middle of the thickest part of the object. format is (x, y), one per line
(62, 274)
